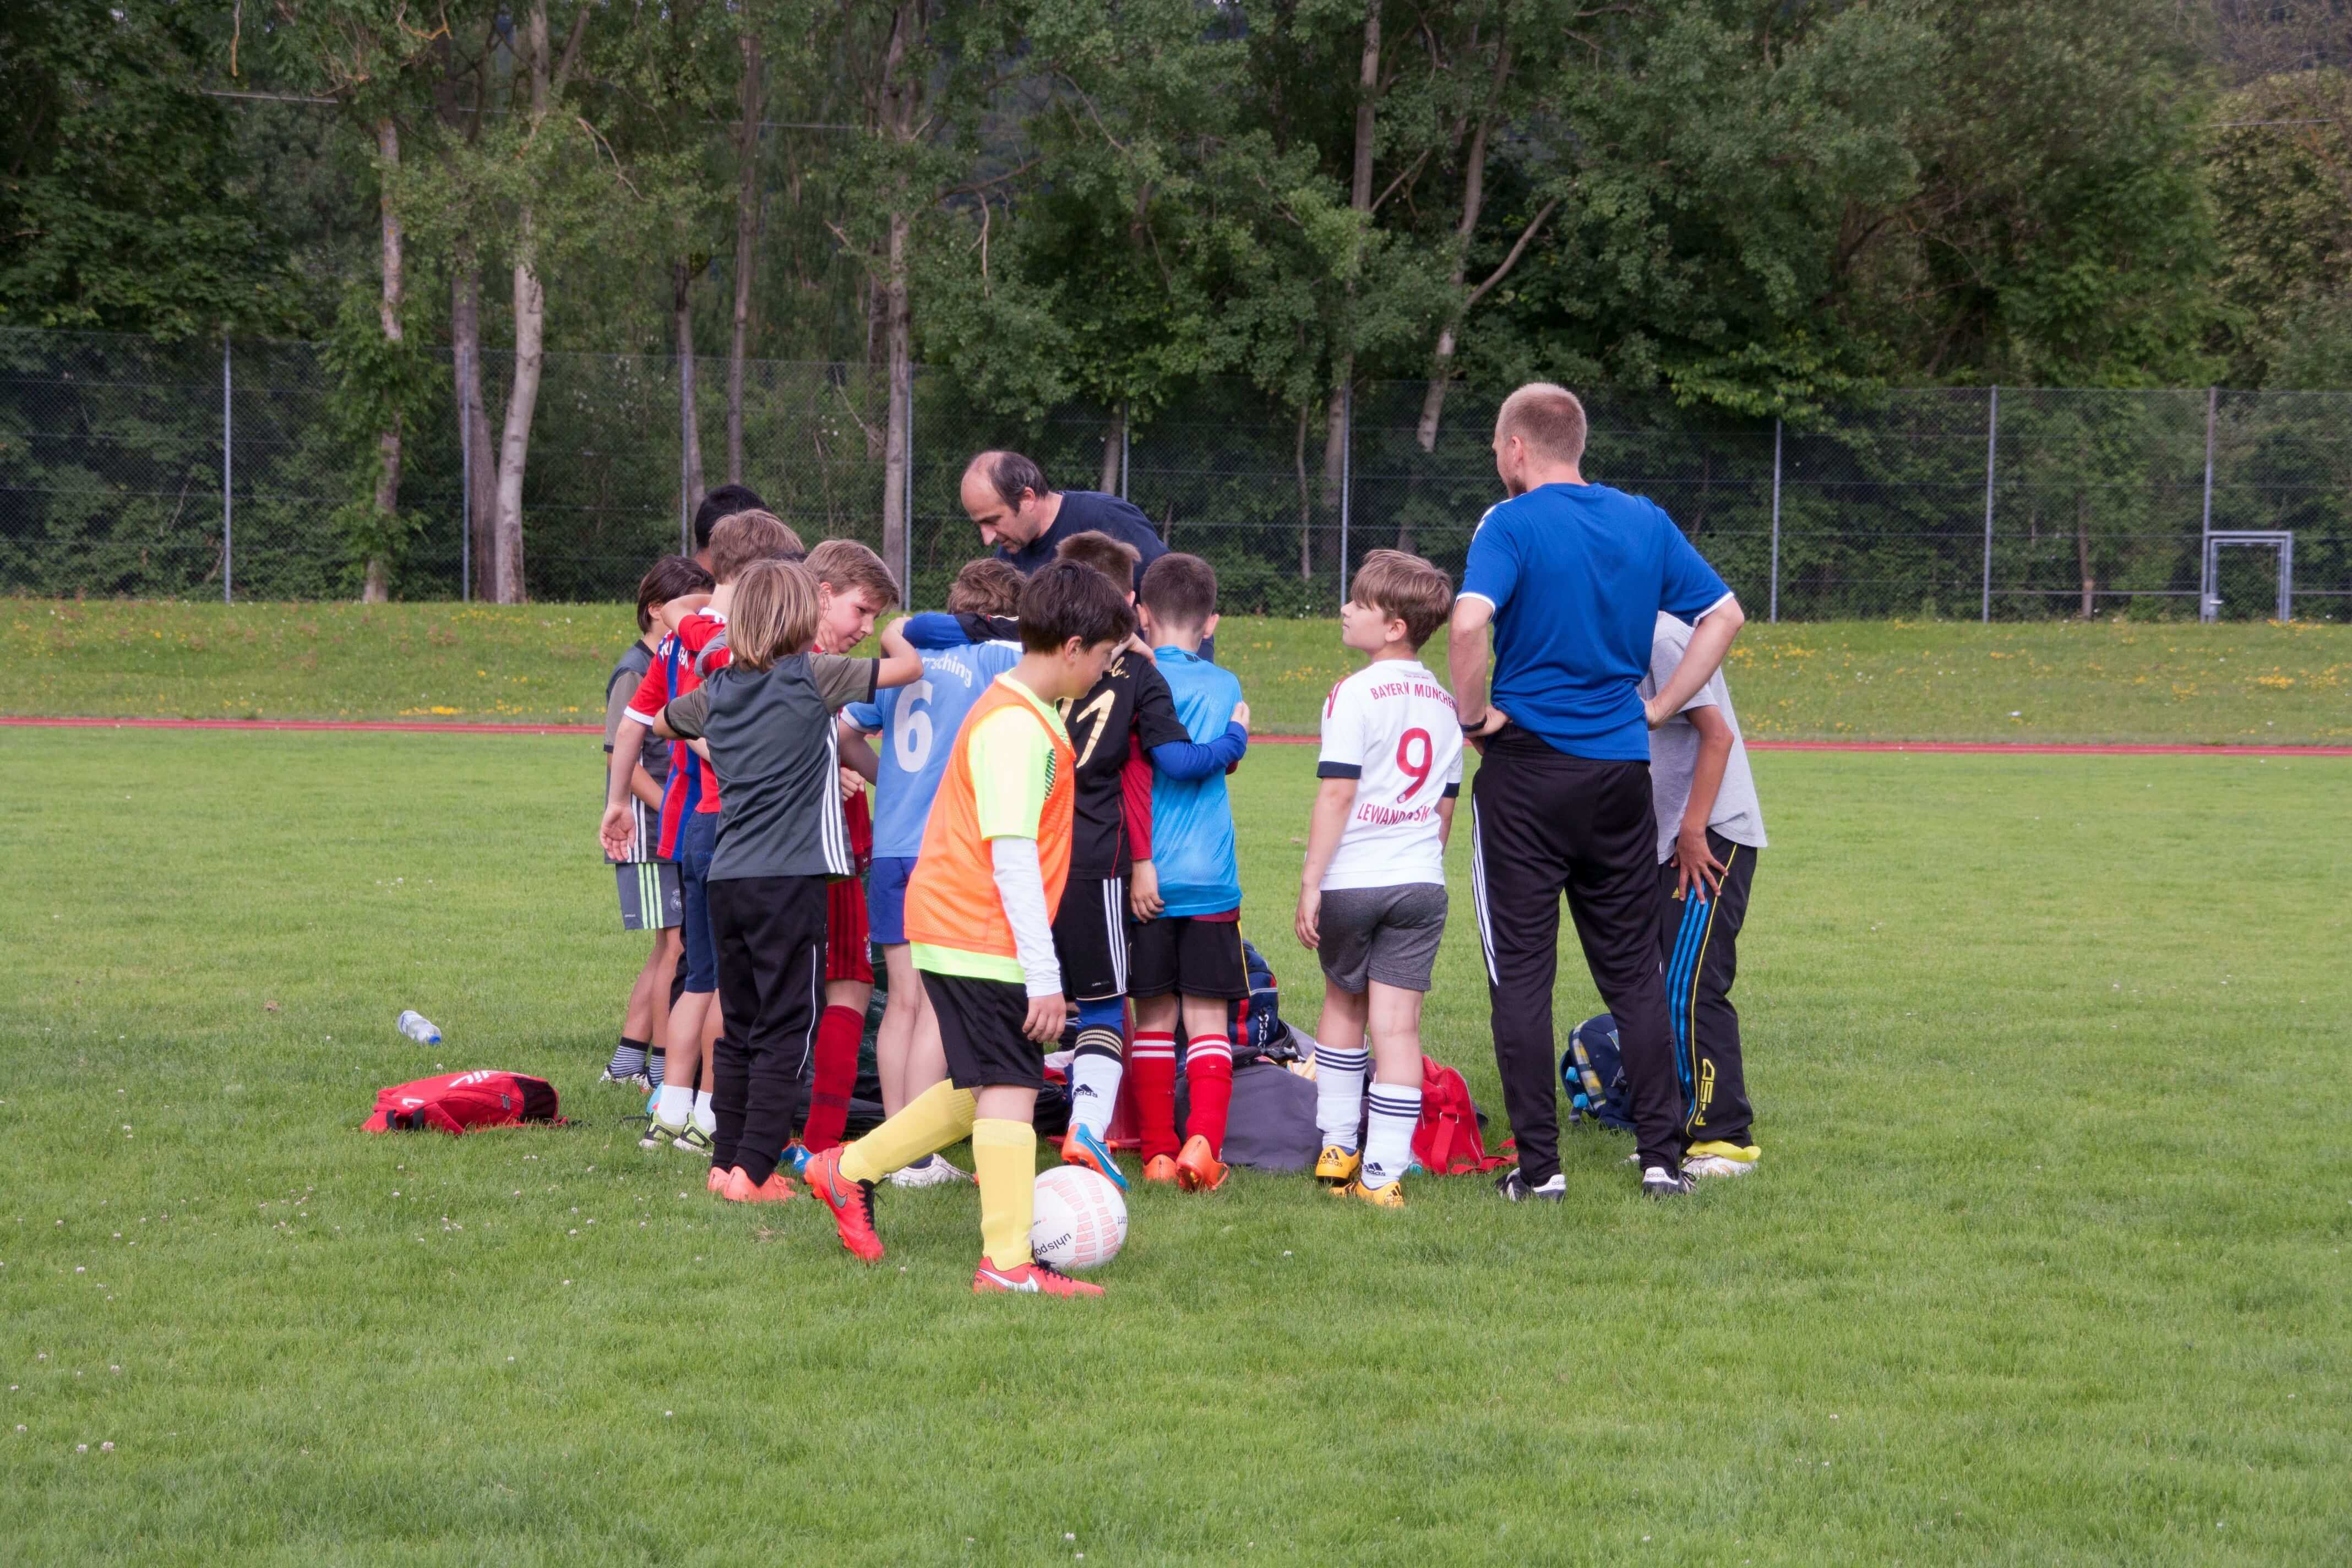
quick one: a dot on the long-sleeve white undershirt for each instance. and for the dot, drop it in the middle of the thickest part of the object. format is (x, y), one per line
(1022, 887)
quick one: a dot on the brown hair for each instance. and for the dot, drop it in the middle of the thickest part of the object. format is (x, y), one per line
(1009, 473)
(672, 577)
(1405, 588)
(1065, 600)
(775, 615)
(844, 567)
(1179, 590)
(986, 587)
(1113, 558)
(1547, 418)
(743, 537)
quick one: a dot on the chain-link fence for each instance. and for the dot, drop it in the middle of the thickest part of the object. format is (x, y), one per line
(129, 467)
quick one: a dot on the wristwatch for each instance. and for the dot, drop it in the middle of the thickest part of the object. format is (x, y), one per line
(1472, 726)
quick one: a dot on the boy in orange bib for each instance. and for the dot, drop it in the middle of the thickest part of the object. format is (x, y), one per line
(979, 916)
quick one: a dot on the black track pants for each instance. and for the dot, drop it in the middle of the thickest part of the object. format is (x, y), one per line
(771, 934)
(1698, 947)
(1544, 823)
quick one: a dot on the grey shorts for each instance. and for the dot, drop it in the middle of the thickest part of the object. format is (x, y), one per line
(1388, 934)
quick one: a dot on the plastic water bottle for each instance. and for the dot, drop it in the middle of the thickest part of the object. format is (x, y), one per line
(419, 1027)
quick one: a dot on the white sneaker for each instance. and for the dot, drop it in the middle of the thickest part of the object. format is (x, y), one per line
(1718, 1159)
(635, 1080)
(934, 1172)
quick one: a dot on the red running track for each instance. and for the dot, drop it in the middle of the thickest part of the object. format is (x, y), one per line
(583, 731)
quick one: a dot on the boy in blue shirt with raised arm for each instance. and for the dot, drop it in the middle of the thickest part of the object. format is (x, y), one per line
(916, 726)
(1185, 958)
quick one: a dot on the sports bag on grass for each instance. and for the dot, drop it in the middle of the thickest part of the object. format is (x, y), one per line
(1447, 1142)
(461, 1101)
(1592, 1077)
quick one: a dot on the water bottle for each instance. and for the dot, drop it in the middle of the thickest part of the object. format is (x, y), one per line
(419, 1027)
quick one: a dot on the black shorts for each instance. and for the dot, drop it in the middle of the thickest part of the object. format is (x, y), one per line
(1090, 938)
(980, 1025)
(1188, 956)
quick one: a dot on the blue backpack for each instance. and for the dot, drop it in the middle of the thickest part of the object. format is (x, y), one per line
(1592, 1077)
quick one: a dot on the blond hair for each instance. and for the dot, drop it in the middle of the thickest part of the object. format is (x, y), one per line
(1547, 418)
(844, 567)
(774, 614)
(740, 538)
(1405, 588)
(988, 588)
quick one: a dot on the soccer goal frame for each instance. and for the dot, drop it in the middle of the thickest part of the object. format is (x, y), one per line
(2209, 600)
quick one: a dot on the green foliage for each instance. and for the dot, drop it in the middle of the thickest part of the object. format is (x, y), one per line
(120, 206)
(375, 384)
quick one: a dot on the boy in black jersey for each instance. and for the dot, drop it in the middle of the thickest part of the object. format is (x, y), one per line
(1123, 728)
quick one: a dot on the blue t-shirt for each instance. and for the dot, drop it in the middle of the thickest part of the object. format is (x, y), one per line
(1576, 575)
(1191, 819)
(919, 723)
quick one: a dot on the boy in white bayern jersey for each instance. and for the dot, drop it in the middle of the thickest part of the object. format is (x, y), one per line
(1372, 898)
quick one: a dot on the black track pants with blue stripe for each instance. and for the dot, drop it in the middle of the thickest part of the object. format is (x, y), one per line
(1698, 949)
(1543, 824)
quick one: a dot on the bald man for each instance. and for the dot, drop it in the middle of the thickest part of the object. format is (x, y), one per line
(1571, 578)
(1026, 519)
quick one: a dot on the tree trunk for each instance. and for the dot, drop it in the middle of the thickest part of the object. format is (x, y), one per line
(2082, 554)
(689, 427)
(899, 332)
(747, 240)
(1359, 199)
(514, 444)
(1114, 450)
(1305, 503)
(377, 586)
(473, 416)
(1474, 200)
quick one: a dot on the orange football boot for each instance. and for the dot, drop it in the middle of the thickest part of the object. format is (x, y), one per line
(1197, 1170)
(1160, 1168)
(1031, 1278)
(777, 1189)
(851, 1204)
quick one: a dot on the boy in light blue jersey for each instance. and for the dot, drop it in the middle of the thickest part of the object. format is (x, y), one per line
(1186, 960)
(916, 727)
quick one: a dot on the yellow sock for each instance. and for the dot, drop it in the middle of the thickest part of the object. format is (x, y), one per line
(1004, 1157)
(934, 1120)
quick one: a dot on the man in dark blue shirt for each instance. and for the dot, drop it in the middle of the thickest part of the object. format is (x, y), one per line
(1570, 577)
(1026, 519)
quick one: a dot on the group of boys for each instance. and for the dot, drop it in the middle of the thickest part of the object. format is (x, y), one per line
(1051, 844)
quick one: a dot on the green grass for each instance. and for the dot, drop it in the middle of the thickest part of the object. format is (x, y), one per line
(2044, 1263)
(1938, 680)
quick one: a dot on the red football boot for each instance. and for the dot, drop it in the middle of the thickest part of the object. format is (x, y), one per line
(851, 1204)
(1031, 1278)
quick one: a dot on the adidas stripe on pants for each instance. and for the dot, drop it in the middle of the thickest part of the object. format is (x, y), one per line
(1544, 823)
(1698, 945)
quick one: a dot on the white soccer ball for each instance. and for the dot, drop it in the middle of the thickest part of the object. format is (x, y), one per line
(1081, 1220)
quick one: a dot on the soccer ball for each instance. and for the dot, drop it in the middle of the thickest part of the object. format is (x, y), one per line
(1081, 1219)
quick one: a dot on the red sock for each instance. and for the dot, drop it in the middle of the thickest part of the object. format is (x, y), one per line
(1209, 1078)
(1151, 1069)
(838, 1036)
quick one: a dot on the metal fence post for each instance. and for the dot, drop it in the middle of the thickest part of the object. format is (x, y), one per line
(1992, 441)
(228, 505)
(1125, 446)
(2205, 604)
(465, 491)
(1347, 475)
(1776, 521)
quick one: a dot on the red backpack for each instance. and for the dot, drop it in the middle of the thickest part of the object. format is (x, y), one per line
(1447, 1142)
(460, 1102)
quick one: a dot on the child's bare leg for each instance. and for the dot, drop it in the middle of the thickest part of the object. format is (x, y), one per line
(1394, 1016)
(894, 1042)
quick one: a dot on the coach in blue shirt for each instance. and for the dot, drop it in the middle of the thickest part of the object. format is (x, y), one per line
(1570, 578)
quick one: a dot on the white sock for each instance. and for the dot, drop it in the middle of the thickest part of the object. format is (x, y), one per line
(1094, 1090)
(1339, 1094)
(1387, 1146)
(703, 1116)
(676, 1104)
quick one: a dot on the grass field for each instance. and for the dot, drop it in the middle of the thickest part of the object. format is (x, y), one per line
(2045, 1262)
(546, 663)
